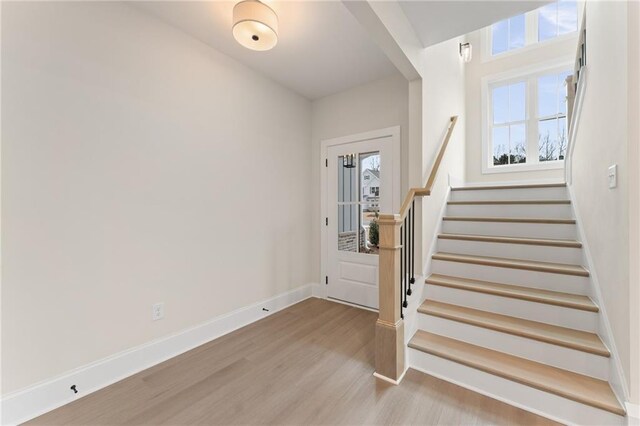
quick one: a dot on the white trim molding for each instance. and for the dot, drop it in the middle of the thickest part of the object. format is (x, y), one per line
(26, 404)
(528, 75)
(617, 377)
(394, 132)
(531, 37)
(633, 414)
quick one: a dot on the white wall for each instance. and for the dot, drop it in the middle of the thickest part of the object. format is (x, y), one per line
(138, 166)
(633, 113)
(443, 96)
(479, 68)
(602, 140)
(376, 105)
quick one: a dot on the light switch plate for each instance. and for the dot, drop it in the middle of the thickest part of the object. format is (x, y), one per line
(613, 176)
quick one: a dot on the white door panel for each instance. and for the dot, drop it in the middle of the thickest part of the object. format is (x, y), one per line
(360, 184)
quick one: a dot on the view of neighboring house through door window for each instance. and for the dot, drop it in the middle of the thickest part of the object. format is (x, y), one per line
(358, 202)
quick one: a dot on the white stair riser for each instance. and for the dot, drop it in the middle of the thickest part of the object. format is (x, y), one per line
(545, 353)
(510, 229)
(546, 211)
(526, 397)
(557, 193)
(544, 280)
(566, 255)
(534, 311)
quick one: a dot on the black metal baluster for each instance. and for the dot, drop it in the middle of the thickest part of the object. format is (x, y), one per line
(401, 274)
(404, 261)
(410, 230)
(413, 242)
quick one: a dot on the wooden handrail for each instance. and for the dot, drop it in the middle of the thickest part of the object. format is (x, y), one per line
(428, 187)
(396, 273)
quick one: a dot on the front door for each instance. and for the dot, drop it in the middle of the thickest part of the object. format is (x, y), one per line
(359, 186)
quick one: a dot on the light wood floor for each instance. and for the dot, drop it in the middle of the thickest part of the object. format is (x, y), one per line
(309, 364)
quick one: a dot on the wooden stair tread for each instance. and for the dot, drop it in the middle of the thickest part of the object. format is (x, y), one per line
(551, 221)
(577, 387)
(507, 202)
(512, 240)
(553, 334)
(488, 187)
(567, 300)
(530, 265)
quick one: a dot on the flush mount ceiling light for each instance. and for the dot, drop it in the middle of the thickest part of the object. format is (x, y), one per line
(255, 25)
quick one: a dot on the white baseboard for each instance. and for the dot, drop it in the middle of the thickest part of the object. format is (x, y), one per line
(26, 404)
(633, 414)
(617, 378)
(319, 290)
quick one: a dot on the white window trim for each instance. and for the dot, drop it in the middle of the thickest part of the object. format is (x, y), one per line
(530, 73)
(530, 37)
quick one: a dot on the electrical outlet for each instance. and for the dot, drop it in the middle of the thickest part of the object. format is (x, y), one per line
(613, 176)
(157, 311)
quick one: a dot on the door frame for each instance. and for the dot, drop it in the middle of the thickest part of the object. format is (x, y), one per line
(394, 133)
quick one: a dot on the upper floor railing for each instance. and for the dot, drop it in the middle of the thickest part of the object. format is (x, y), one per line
(575, 84)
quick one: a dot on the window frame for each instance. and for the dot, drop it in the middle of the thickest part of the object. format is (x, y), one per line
(530, 76)
(530, 36)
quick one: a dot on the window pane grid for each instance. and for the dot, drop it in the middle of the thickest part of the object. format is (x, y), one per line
(552, 20)
(556, 19)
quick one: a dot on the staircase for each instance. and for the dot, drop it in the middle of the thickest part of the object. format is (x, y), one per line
(506, 310)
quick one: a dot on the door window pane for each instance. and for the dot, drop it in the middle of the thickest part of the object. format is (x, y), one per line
(358, 202)
(370, 177)
(369, 235)
(347, 179)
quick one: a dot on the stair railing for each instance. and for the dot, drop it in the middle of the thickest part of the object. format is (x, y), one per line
(397, 273)
(575, 85)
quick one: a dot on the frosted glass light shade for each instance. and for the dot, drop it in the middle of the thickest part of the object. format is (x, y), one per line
(465, 51)
(255, 25)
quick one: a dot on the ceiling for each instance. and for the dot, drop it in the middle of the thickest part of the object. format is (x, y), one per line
(437, 21)
(321, 50)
